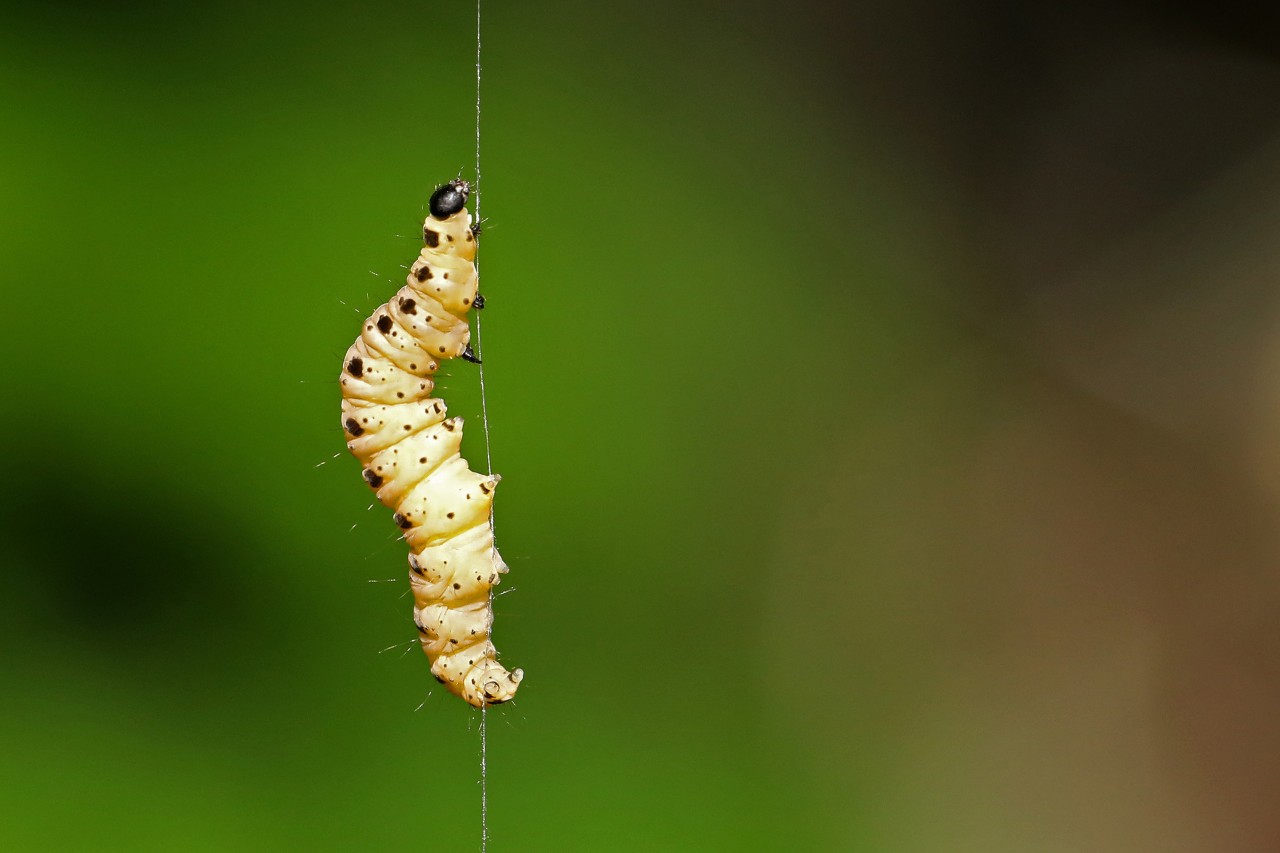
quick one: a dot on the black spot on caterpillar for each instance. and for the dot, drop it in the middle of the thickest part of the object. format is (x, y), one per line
(409, 451)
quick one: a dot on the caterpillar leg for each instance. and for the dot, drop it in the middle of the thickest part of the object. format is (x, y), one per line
(478, 303)
(469, 354)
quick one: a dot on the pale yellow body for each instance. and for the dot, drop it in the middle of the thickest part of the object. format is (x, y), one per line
(410, 452)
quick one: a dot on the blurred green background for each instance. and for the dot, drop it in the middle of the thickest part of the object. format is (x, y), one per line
(886, 395)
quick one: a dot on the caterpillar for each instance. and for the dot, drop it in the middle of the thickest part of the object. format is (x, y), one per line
(410, 452)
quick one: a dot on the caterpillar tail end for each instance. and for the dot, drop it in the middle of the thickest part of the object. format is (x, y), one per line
(493, 684)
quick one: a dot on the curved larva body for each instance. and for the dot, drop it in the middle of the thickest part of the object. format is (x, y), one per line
(409, 450)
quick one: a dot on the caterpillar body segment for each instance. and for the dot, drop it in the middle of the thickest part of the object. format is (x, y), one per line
(410, 450)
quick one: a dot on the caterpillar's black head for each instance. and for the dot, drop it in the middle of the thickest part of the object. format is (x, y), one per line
(449, 199)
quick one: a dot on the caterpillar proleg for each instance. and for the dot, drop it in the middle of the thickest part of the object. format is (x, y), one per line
(410, 452)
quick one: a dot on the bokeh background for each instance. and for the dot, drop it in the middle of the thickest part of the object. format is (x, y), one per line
(887, 395)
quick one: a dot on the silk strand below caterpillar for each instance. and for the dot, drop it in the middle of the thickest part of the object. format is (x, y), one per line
(410, 452)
